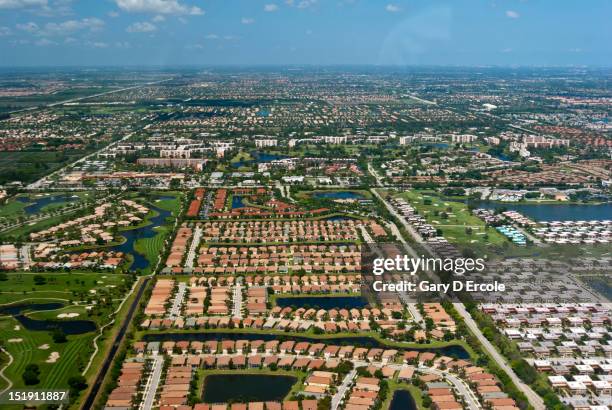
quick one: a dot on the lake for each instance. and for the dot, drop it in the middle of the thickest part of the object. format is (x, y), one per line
(456, 351)
(69, 327)
(36, 205)
(338, 195)
(224, 388)
(132, 235)
(402, 400)
(258, 157)
(323, 302)
(555, 212)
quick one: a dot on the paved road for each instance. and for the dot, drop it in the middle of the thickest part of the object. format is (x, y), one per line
(24, 254)
(342, 389)
(535, 400)
(9, 382)
(175, 309)
(237, 299)
(191, 254)
(373, 172)
(87, 97)
(150, 389)
(464, 390)
(39, 183)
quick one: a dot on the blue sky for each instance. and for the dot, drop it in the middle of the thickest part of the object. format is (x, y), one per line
(318, 32)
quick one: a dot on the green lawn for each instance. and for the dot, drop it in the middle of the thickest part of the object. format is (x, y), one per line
(35, 347)
(454, 227)
(24, 230)
(29, 347)
(11, 208)
(67, 286)
(151, 248)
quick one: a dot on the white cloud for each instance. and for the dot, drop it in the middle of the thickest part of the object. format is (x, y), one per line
(5, 31)
(512, 14)
(158, 7)
(159, 18)
(270, 7)
(392, 8)
(99, 44)
(122, 44)
(63, 28)
(70, 26)
(20, 4)
(141, 27)
(247, 20)
(30, 27)
(211, 37)
(304, 4)
(43, 42)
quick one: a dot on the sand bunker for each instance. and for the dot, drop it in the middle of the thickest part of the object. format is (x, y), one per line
(43, 347)
(16, 340)
(67, 315)
(53, 357)
(17, 327)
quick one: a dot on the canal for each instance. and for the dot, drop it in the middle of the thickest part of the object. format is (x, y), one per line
(323, 302)
(456, 351)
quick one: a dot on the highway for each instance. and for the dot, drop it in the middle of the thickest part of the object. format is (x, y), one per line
(88, 96)
(38, 184)
(535, 400)
(91, 395)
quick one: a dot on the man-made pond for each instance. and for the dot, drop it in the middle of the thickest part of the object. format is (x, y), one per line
(237, 202)
(402, 400)
(555, 212)
(338, 195)
(456, 351)
(132, 235)
(36, 204)
(69, 327)
(258, 157)
(323, 302)
(224, 388)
